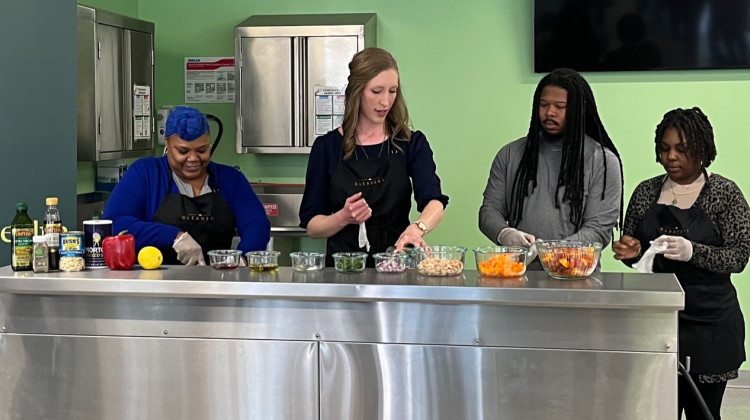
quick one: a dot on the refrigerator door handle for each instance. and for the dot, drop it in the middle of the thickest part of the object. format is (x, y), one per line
(296, 80)
(303, 93)
(300, 91)
(128, 120)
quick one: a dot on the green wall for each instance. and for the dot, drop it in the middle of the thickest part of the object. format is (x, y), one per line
(466, 72)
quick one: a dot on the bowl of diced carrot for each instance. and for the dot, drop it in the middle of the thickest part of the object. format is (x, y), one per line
(501, 261)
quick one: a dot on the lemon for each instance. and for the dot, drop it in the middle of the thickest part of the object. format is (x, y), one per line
(149, 257)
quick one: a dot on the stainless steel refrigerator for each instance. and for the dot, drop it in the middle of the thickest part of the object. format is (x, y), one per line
(291, 74)
(115, 86)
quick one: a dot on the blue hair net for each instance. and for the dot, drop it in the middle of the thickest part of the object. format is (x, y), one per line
(188, 123)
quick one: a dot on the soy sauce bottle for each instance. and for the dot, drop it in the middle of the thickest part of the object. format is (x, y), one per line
(52, 229)
(22, 240)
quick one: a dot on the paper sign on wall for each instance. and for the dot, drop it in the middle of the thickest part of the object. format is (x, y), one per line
(141, 112)
(329, 108)
(209, 79)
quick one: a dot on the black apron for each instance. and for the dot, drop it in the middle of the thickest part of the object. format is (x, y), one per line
(385, 185)
(711, 327)
(207, 218)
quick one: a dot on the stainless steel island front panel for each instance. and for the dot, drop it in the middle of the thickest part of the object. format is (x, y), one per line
(387, 346)
(400, 382)
(102, 378)
(363, 322)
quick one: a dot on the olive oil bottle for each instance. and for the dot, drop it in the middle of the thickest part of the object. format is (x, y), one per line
(22, 240)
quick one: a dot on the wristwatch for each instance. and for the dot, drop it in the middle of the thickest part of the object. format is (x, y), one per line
(423, 227)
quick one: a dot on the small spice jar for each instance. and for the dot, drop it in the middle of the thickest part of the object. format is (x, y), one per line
(40, 261)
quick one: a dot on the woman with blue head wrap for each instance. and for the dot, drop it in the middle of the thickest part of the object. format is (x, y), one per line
(183, 203)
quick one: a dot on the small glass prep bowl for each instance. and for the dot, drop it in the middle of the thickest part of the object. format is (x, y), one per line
(349, 261)
(439, 260)
(263, 260)
(501, 261)
(568, 259)
(390, 262)
(224, 258)
(307, 261)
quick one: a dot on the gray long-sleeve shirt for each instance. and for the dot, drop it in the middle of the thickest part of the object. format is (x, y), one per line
(540, 217)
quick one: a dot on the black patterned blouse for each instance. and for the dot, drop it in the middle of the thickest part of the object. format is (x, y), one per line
(722, 200)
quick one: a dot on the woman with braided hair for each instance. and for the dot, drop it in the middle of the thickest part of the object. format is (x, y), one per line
(563, 180)
(700, 224)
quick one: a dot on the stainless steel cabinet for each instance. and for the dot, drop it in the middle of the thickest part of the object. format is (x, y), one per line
(283, 63)
(115, 86)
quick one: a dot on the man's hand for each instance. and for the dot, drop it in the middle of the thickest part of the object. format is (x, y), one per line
(514, 237)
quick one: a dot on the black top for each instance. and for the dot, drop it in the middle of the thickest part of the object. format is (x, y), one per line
(326, 154)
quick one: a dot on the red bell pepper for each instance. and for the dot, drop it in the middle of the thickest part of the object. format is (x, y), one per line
(119, 251)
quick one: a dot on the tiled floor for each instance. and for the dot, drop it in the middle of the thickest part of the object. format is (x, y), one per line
(736, 404)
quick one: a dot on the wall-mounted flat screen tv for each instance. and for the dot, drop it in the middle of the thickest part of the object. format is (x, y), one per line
(626, 35)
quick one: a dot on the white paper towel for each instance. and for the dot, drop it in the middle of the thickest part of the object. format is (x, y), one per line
(363, 241)
(646, 263)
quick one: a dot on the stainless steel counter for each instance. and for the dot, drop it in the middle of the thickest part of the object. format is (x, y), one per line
(607, 290)
(195, 342)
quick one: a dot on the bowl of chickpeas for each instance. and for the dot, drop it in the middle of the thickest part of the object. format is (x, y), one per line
(439, 260)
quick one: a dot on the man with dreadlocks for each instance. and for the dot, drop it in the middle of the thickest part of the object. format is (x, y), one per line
(700, 223)
(563, 180)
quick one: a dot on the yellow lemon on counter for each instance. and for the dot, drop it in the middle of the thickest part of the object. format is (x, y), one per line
(150, 257)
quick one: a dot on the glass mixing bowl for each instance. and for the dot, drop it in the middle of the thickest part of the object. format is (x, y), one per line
(307, 261)
(263, 260)
(501, 261)
(224, 258)
(439, 260)
(568, 259)
(349, 261)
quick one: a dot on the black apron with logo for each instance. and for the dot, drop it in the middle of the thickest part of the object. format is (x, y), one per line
(385, 185)
(207, 218)
(711, 327)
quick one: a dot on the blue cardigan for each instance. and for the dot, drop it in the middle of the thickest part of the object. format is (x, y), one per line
(139, 194)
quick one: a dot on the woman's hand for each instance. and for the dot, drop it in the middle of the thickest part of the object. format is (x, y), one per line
(411, 235)
(626, 248)
(678, 248)
(355, 210)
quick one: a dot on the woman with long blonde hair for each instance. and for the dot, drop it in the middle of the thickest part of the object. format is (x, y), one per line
(362, 175)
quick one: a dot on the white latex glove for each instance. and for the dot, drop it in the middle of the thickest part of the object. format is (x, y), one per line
(188, 251)
(532, 254)
(678, 248)
(514, 237)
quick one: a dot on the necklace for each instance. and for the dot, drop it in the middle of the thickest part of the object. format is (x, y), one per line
(671, 188)
(365, 152)
(685, 189)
